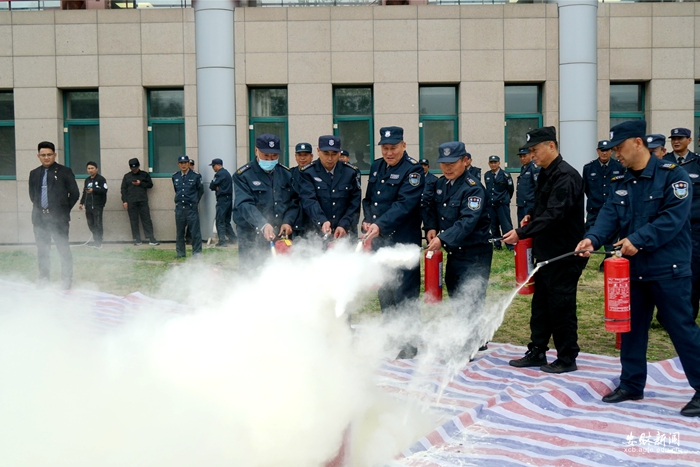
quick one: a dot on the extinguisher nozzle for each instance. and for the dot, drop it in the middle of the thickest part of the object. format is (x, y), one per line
(272, 248)
(494, 240)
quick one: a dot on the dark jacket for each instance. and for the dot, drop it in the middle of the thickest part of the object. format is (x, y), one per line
(98, 197)
(337, 201)
(499, 186)
(188, 188)
(671, 157)
(133, 193)
(475, 173)
(63, 191)
(598, 182)
(461, 218)
(301, 223)
(223, 181)
(556, 225)
(525, 193)
(652, 212)
(693, 169)
(392, 200)
(262, 198)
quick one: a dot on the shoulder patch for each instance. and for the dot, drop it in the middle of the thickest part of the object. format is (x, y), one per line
(305, 167)
(243, 169)
(350, 165)
(283, 166)
(414, 179)
(471, 182)
(680, 189)
(411, 160)
(669, 166)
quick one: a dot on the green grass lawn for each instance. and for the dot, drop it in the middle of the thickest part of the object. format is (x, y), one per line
(121, 270)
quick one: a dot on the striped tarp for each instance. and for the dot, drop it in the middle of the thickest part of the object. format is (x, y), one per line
(498, 415)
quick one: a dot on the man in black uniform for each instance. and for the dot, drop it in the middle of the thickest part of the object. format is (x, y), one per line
(430, 179)
(94, 199)
(499, 186)
(392, 215)
(266, 204)
(53, 193)
(188, 191)
(680, 140)
(344, 156)
(650, 210)
(657, 145)
(457, 219)
(473, 171)
(135, 200)
(693, 169)
(555, 224)
(525, 193)
(599, 178)
(303, 153)
(222, 186)
(330, 192)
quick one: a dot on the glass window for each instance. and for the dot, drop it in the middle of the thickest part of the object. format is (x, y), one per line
(8, 167)
(354, 124)
(166, 130)
(268, 114)
(81, 129)
(523, 105)
(626, 102)
(438, 120)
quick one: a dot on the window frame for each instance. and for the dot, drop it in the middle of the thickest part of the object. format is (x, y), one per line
(162, 121)
(10, 124)
(357, 118)
(423, 118)
(517, 116)
(636, 115)
(284, 156)
(78, 122)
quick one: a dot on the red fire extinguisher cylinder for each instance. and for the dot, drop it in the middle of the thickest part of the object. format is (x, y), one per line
(433, 276)
(617, 294)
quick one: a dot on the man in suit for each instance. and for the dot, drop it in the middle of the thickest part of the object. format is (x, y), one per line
(53, 192)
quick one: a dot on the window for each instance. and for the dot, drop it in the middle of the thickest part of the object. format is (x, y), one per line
(626, 102)
(166, 130)
(268, 114)
(523, 113)
(8, 168)
(438, 120)
(352, 119)
(81, 129)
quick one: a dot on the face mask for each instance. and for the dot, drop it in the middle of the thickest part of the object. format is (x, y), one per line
(267, 166)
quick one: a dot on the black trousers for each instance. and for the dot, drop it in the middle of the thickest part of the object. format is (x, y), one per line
(554, 308)
(47, 227)
(224, 207)
(695, 268)
(139, 209)
(500, 222)
(522, 212)
(469, 266)
(187, 216)
(406, 286)
(94, 222)
(672, 300)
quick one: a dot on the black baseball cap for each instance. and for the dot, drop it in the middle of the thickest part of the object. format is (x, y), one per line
(329, 143)
(627, 130)
(540, 135)
(451, 152)
(216, 162)
(424, 162)
(268, 144)
(656, 141)
(390, 135)
(303, 147)
(680, 133)
(494, 159)
(604, 145)
(133, 163)
(183, 159)
(523, 152)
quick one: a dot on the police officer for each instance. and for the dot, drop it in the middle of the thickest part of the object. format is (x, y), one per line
(555, 224)
(473, 171)
(457, 219)
(650, 209)
(499, 186)
(693, 169)
(599, 178)
(330, 191)
(266, 203)
(392, 215)
(188, 191)
(680, 140)
(94, 199)
(53, 193)
(657, 145)
(525, 193)
(222, 186)
(344, 156)
(303, 153)
(429, 187)
(135, 200)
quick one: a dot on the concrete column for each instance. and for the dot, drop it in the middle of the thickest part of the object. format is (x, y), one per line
(578, 80)
(216, 109)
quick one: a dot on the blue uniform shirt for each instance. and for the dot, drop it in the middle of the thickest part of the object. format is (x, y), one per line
(222, 180)
(499, 186)
(460, 217)
(598, 182)
(474, 173)
(264, 198)
(188, 188)
(693, 169)
(671, 157)
(525, 194)
(336, 200)
(392, 200)
(652, 213)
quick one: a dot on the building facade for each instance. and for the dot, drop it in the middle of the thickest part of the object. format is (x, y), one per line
(110, 85)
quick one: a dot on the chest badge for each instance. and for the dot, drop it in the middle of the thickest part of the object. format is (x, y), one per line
(256, 183)
(439, 192)
(394, 176)
(414, 179)
(680, 189)
(621, 192)
(694, 175)
(474, 203)
(318, 179)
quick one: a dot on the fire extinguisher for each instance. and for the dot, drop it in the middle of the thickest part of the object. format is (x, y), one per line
(524, 265)
(283, 245)
(617, 294)
(433, 276)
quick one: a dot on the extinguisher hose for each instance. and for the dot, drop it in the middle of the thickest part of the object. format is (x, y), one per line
(557, 258)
